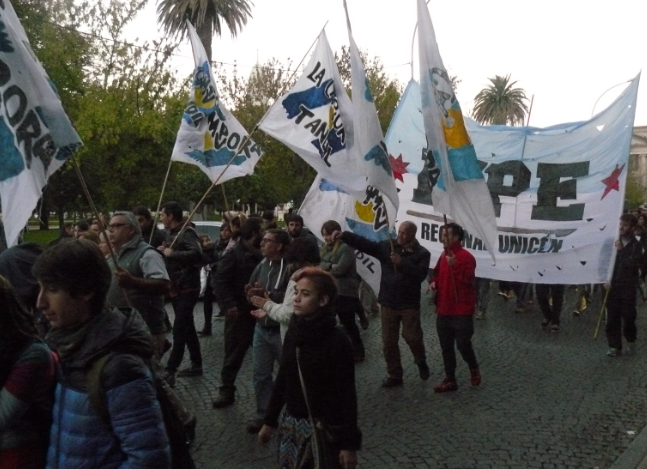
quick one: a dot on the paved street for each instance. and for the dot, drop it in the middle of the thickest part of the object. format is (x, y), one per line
(547, 400)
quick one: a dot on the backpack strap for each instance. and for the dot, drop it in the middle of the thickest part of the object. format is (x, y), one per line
(96, 392)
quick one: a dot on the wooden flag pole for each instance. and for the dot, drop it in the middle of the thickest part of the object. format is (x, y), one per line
(604, 305)
(159, 203)
(84, 187)
(224, 196)
(451, 271)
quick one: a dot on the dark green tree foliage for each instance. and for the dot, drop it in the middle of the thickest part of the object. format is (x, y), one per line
(501, 103)
(207, 16)
(122, 98)
(280, 175)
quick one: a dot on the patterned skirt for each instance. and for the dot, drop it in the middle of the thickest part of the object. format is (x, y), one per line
(294, 437)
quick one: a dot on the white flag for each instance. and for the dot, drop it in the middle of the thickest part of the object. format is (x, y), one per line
(324, 202)
(36, 136)
(210, 136)
(314, 119)
(368, 142)
(461, 191)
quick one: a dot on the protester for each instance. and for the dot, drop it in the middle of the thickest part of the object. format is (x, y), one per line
(147, 225)
(316, 349)
(268, 220)
(269, 280)
(296, 229)
(80, 227)
(66, 233)
(482, 297)
(232, 275)
(550, 298)
(339, 259)
(183, 257)
(139, 279)
(454, 283)
(214, 254)
(405, 264)
(301, 253)
(621, 302)
(27, 379)
(74, 278)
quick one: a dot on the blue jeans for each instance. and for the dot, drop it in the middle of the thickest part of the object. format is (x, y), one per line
(266, 349)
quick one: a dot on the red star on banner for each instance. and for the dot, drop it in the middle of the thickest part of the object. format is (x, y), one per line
(612, 181)
(398, 166)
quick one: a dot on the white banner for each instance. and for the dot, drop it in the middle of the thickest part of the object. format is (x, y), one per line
(36, 136)
(209, 135)
(557, 192)
(325, 201)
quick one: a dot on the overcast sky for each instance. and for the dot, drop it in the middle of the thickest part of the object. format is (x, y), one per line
(566, 53)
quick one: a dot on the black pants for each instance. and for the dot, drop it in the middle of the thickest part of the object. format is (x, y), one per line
(544, 292)
(239, 334)
(346, 308)
(184, 333)
(621, 317)
(207, 305)
(456, 330)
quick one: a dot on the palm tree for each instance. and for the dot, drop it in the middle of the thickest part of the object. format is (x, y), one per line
(207, 16)
(500, 103)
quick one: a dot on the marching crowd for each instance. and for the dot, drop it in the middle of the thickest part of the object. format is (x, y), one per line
(84, 331)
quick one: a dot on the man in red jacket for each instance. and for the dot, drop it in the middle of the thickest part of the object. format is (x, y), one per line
(454, 283)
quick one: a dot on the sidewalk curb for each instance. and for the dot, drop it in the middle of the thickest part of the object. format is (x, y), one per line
(635, 456)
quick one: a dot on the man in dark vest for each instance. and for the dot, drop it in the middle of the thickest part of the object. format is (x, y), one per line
(141, 279)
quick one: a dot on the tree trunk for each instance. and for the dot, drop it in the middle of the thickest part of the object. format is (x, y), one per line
(206, 36)
(43, 215)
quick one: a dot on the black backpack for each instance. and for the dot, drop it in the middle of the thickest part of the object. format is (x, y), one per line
(179, 422)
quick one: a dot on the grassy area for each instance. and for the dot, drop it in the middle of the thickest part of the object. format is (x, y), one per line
(43, 238)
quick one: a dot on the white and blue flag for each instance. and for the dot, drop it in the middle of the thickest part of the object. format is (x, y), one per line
(368, 142)
(210, 136)
(460, 191)
(36, 136)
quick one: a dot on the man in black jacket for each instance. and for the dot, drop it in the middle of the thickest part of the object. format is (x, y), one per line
(405, 264)
(232, 275)
(183, 262)
(621, 302)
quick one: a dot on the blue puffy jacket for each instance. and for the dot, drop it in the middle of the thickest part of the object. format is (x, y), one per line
(137, 437)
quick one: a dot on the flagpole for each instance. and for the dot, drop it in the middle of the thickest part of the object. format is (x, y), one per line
(224, 196)
(413, 41)
(451, 271)
(523, 148)
(247, 137)
(84, 187)
(159, 203)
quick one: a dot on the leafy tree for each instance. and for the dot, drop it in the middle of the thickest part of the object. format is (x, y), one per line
(208, 17)
(386, 91)
(500, 103)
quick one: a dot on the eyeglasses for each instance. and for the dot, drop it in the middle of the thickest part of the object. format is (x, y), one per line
(267, 240)
(114, 226)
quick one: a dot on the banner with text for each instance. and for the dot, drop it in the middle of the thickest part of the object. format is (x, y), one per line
(36, 136)
(557, 192)
(210, 137)
(325, 201)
